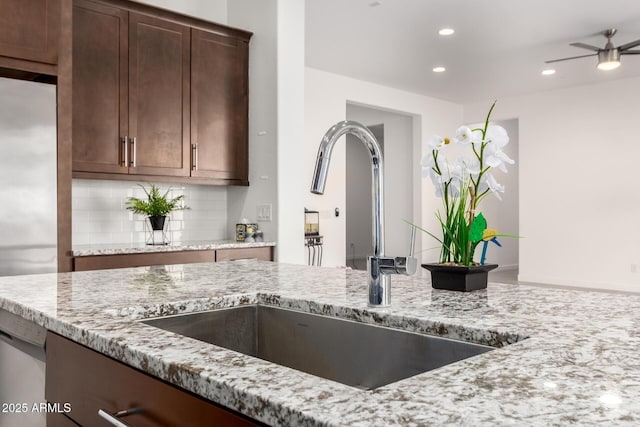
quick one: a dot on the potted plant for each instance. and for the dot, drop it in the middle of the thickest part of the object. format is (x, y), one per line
(462, 184)
(155, 206)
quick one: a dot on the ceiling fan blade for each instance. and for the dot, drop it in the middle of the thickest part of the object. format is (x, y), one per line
(586, 46)
(629, 45)
(630, 52)
(572, 57)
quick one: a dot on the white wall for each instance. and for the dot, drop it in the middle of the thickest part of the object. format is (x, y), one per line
(259, 17)
(210, 10)
(579, 197)
(326, 98)
(398, 155)
(291, 114)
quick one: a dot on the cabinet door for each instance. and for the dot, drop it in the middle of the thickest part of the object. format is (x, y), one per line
(29, 29)
(219, 106)
(159, 57)
(99, 87)
(90, 381)
(264, 254)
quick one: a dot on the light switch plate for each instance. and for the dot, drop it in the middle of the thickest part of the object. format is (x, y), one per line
(263, 212)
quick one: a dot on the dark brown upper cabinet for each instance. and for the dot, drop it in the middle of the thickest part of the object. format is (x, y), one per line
(158, 95)
(130, 92)
(100, 88)
(29, 30)
(219, 106)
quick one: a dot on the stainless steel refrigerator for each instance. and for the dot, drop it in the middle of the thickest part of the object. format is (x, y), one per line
(28, 229)
(28, 220)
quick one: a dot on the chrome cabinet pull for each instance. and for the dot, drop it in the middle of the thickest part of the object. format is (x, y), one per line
(113, 419)
(194, 153)
(125, 151)
(133, 151)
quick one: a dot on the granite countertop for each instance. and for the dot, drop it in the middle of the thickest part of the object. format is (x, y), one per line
(563, 356)
(136, 248)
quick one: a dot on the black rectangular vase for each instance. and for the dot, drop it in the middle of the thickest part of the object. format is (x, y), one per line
(459, 277)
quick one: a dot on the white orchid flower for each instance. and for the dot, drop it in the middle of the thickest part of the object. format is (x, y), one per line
(427, 164)
(476, 138)
(496, 139)
(473, 167)
(488, 182)
(497, 135)
(496, 158)
(436, 142)
(437, 182)
(464, 136)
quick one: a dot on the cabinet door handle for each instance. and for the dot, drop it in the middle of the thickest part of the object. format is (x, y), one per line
(133, 151)
(194, 153)
(125, 151)
(113, 419)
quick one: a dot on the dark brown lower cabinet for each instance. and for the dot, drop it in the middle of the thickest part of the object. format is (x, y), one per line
(90, 381)
(101, 262)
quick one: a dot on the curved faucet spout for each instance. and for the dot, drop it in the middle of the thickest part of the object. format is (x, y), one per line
(377, 176)
(379, 267)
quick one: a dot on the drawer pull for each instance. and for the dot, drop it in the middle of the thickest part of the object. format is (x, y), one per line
(113, 419)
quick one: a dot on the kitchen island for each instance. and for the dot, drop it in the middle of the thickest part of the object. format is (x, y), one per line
(561, 357)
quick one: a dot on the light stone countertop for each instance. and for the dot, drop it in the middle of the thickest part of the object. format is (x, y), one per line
(128, 248)
(573, 360)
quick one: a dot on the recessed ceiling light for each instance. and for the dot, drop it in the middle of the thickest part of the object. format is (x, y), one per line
(439, 70)
(548, 72)
(446, 31)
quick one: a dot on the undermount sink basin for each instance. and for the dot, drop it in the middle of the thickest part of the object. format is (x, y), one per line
(357, 354)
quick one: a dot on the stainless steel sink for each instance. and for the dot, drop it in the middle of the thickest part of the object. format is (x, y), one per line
(352, 353)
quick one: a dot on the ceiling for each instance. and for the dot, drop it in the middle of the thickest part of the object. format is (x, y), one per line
(498, 49)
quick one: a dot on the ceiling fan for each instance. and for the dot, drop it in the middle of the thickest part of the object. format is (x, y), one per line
(609, 56)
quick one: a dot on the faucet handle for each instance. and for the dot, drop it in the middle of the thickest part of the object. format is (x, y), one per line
(408, 265)
(412, 241)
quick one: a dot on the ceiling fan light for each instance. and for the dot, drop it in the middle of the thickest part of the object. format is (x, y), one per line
(608, 59)
(606, 66)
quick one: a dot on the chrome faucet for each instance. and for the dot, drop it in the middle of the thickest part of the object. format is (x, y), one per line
(379, 267)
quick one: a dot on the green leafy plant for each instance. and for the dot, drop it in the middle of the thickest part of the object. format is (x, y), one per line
(155, 204)
(462, 184)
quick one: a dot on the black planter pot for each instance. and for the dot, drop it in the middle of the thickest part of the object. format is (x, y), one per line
(157, 222)
(458, 277)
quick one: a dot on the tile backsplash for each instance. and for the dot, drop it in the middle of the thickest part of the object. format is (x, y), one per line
(99, 215)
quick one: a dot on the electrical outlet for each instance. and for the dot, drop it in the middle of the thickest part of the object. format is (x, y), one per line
(264, 213)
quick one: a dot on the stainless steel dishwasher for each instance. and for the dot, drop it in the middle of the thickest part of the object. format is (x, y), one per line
(22, 371)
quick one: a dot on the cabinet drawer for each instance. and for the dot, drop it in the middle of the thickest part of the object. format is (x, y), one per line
(264, 254)
(99, 262)
(90, 381)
